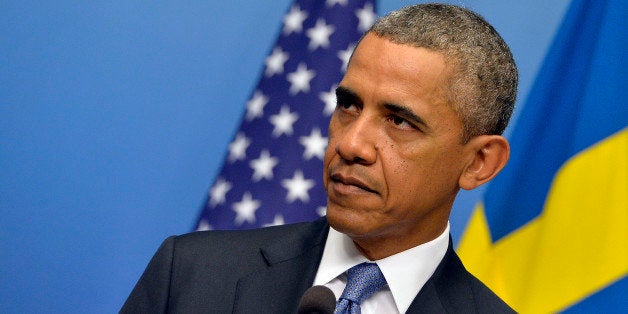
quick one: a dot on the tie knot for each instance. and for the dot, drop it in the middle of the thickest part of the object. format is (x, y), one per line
(363, 280)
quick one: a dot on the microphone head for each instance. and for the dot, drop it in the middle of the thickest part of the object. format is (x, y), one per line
(317, 299)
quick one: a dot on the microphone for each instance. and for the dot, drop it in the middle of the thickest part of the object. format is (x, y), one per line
(318, 300)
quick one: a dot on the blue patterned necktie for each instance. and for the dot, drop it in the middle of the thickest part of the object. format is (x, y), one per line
(362, 281)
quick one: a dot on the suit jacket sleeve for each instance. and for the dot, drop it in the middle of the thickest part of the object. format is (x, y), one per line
(151, 293)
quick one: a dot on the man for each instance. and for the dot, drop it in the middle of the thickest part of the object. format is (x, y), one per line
(427, 93)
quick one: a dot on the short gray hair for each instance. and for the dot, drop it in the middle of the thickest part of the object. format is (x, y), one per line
(483, 86)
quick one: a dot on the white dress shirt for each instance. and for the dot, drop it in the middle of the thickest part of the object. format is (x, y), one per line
(406, 272)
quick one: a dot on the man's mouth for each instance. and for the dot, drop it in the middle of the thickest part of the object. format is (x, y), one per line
(350, 182)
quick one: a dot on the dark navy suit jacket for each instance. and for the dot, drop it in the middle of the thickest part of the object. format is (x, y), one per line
(268, 270)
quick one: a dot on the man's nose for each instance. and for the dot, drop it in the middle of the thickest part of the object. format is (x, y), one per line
(357, 142)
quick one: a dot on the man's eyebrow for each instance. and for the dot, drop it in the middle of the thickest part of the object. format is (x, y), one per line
(343, 92)
(406, 113)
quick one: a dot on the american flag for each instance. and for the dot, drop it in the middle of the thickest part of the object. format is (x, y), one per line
(273, 171)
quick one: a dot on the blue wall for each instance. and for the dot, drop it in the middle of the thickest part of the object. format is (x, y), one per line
(115, 117)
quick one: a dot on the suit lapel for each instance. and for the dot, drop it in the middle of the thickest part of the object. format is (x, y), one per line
(291, 264)
(427, 301)
(447, 291)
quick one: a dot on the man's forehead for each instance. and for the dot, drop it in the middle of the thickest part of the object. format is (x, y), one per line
(381, 51)
(381, 63)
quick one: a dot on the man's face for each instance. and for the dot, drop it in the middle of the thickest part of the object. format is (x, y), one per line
(395, 153)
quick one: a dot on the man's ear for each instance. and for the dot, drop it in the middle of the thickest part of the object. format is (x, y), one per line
(488, 154)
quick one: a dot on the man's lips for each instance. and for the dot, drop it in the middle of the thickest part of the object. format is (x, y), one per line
(351, 181)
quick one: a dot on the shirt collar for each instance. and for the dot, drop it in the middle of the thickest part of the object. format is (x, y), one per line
(418, 265)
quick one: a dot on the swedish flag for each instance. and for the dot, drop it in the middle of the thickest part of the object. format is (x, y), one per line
(552, 232)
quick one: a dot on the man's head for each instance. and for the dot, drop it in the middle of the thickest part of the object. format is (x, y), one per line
(399, 148)
(483, 87)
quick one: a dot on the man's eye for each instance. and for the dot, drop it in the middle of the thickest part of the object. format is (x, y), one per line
(397, 120)
(346, 106)
(400, 122)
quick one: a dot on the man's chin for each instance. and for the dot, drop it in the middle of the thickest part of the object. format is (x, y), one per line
(346, 220)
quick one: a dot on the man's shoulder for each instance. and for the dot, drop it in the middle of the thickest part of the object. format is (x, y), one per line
(198, 255)
(486, 299)
(200, 271)
(483, 298)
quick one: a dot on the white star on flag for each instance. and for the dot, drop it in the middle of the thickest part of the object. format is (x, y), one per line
(275, 62)
(331, 3)
(345, 56)
(322, 211)
(314, 144)
(237, 148)
(203, 226)
(293, 21)
(329, 98)
(218, 192)
(245, 209)
(272, 173)
(319, 35)
(283, 121)
(278, 221)
(300, 79)
(297, 187)
(263, 166)
(366, 16)
(255, 106)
